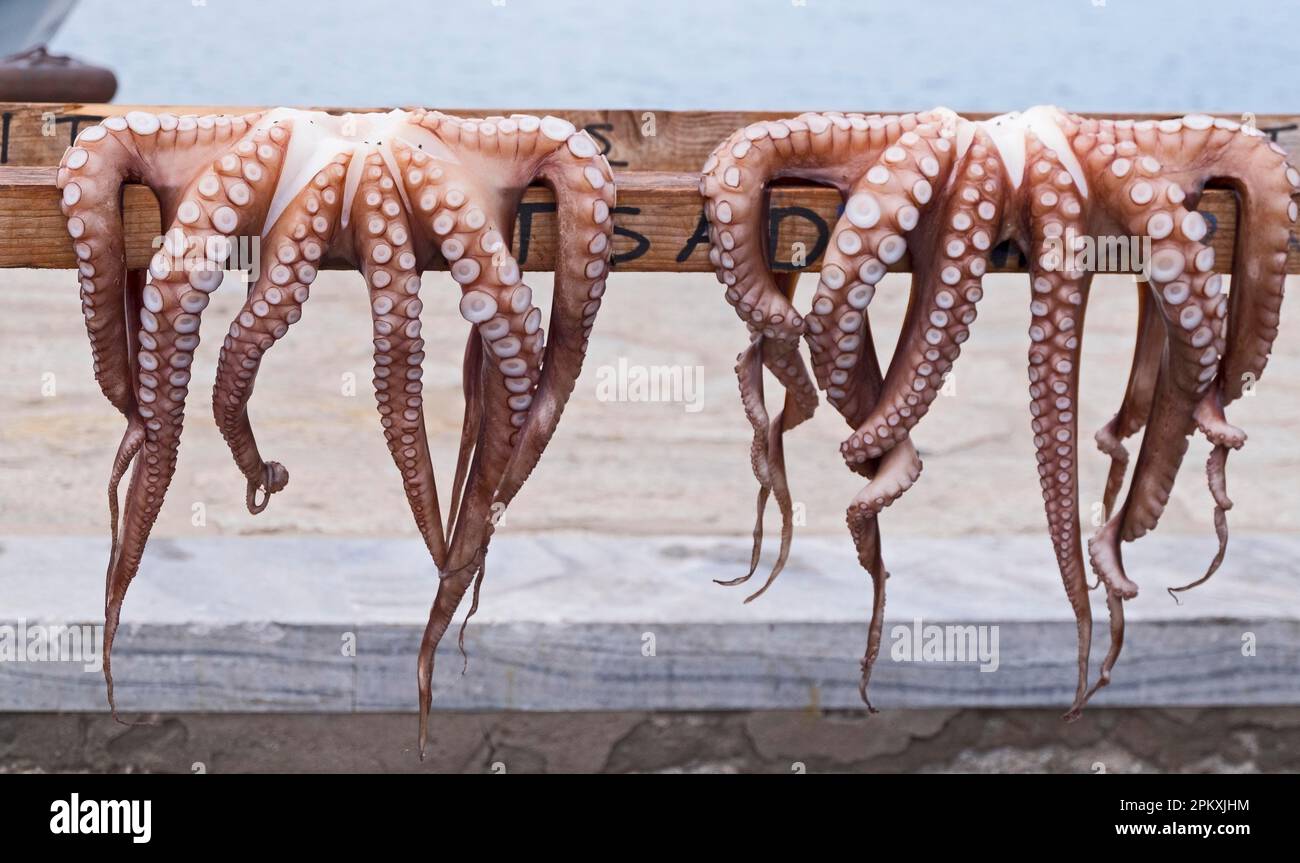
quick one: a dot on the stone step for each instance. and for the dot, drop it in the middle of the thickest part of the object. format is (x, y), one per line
(575, 621)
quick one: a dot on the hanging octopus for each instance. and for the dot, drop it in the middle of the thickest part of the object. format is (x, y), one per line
(947, 191)
(393, 194)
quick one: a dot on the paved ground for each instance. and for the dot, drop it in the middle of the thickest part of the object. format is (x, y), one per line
(615, 467)
(931, 741)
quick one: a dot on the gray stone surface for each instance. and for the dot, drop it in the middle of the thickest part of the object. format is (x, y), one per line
(568, 621)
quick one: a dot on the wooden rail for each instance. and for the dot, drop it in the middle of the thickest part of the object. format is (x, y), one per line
(655, 154)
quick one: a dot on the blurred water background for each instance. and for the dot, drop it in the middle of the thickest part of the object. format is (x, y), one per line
(1102, 55)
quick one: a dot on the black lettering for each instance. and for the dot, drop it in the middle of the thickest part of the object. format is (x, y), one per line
(4, 137)
(526, 213)
(606, 145)
(74, 122)
(1274, 131)
(779, 214)
(642, 242)
(701, 235)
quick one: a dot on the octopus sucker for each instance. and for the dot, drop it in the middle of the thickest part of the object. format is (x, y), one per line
(389, 192)
(946, 190)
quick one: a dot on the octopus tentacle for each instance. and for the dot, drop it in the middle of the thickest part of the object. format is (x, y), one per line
(828, 148)
(1055, 208)
(831, 148)
(1115, 608)
(182, 276)
(569, 162)
(1223, 437)
(894, 199)
(471, 374)
(780, 490)
(749, 375)
(520, 387)
(499, 305)
(1265, 182)
(1257, 169)
(1191, 306)
(1193, 151)
(1136, 404)
(381, 239)
(861, 390)
(582, 181)
(1216, 479)
(898, 471)
(133, 438)
(137, 146)
(786, 363)
(90, 176)
(767, 452)
(295, 245)
(734, 182)
(952, 256)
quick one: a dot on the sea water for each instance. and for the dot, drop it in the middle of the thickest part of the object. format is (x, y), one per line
(1086, 55)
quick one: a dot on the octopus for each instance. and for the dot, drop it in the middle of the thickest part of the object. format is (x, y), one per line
(946, 191)
(392, 194)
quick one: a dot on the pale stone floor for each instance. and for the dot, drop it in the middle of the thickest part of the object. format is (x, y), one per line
(615, 467)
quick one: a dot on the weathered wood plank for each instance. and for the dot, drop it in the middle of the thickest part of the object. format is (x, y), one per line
(36, 134)
(659, 225)
(633, 140)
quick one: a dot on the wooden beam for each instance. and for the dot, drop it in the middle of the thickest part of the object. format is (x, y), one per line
(659, 225)
(35, 135)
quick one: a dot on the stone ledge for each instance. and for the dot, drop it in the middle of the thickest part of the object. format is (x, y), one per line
(258, 624)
